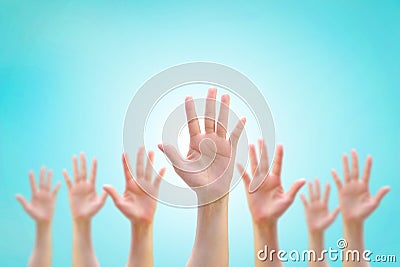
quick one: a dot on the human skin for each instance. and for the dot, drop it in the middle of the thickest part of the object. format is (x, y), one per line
(211, 177)
(139, 206)
(41, 210)
(318, 219)
(356, 204)
(84, 204)
(268, 203)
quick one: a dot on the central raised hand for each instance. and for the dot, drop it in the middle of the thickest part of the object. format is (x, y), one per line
(208, 167)
(139, 207)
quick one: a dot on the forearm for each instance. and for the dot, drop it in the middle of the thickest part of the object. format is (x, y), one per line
(354, 235)
(211, 242)
(266, 246)
(141, 251)
(42, 252)
(316, 244)
(82, 247)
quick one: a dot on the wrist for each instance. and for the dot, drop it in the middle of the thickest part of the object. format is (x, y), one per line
(81, 224)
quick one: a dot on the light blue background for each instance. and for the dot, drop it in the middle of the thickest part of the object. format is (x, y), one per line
(329, 69)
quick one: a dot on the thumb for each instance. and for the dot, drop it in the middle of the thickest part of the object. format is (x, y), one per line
(112, 192)
(22, 201)
(295, 188)
(173, 155)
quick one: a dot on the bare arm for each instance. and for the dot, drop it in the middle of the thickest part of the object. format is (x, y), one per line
(41, 209)
(208, 170)
(84, 203)
(356, 204)
(318, 219)
(139, 207)
(268, 202)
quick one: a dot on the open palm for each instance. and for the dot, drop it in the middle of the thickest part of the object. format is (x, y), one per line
(208, 167)
(41, 206)
(316, 208)
(356, 202)
(136, 202)
(83, 198)
(269, 201)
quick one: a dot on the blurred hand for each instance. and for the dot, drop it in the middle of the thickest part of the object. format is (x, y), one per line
(270, 200)
(208, 167)
(84, 201)
(356, 202)
(316, 208)
(137, 203)
(41, 206)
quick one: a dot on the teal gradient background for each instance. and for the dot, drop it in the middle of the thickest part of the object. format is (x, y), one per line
(329, 69)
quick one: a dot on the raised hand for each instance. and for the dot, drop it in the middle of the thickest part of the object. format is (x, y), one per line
(208, 167)
(136, 203)
(41, 206)
(356, 202)
(84, 201)
(316, 208)
(270, 200)
(138, 206)
(41, 209)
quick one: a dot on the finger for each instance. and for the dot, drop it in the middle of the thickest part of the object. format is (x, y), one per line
(346, 171)
(209, 120)
(245, 176)
(327, 193)
(317, 189)
(56, 189)
(32, 182)
(380, 194)
(102, 199)
(75, 169)
(277, 165)
(140, 163)
(127, 172)
(42, 183)
(159, 177)
(223, 116)
(367, 170)
(354, 163)
(49, 179)
(253, 159)
(191, 116)
(93, 173)
(294, 189)
(67, 179)
(336, 179)
(304, 200)
(113, 194)
(235, 134)
(263, 155)
(22, 201)
(83, 166)
(149, 165)
(174, 156)
(311, 191)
